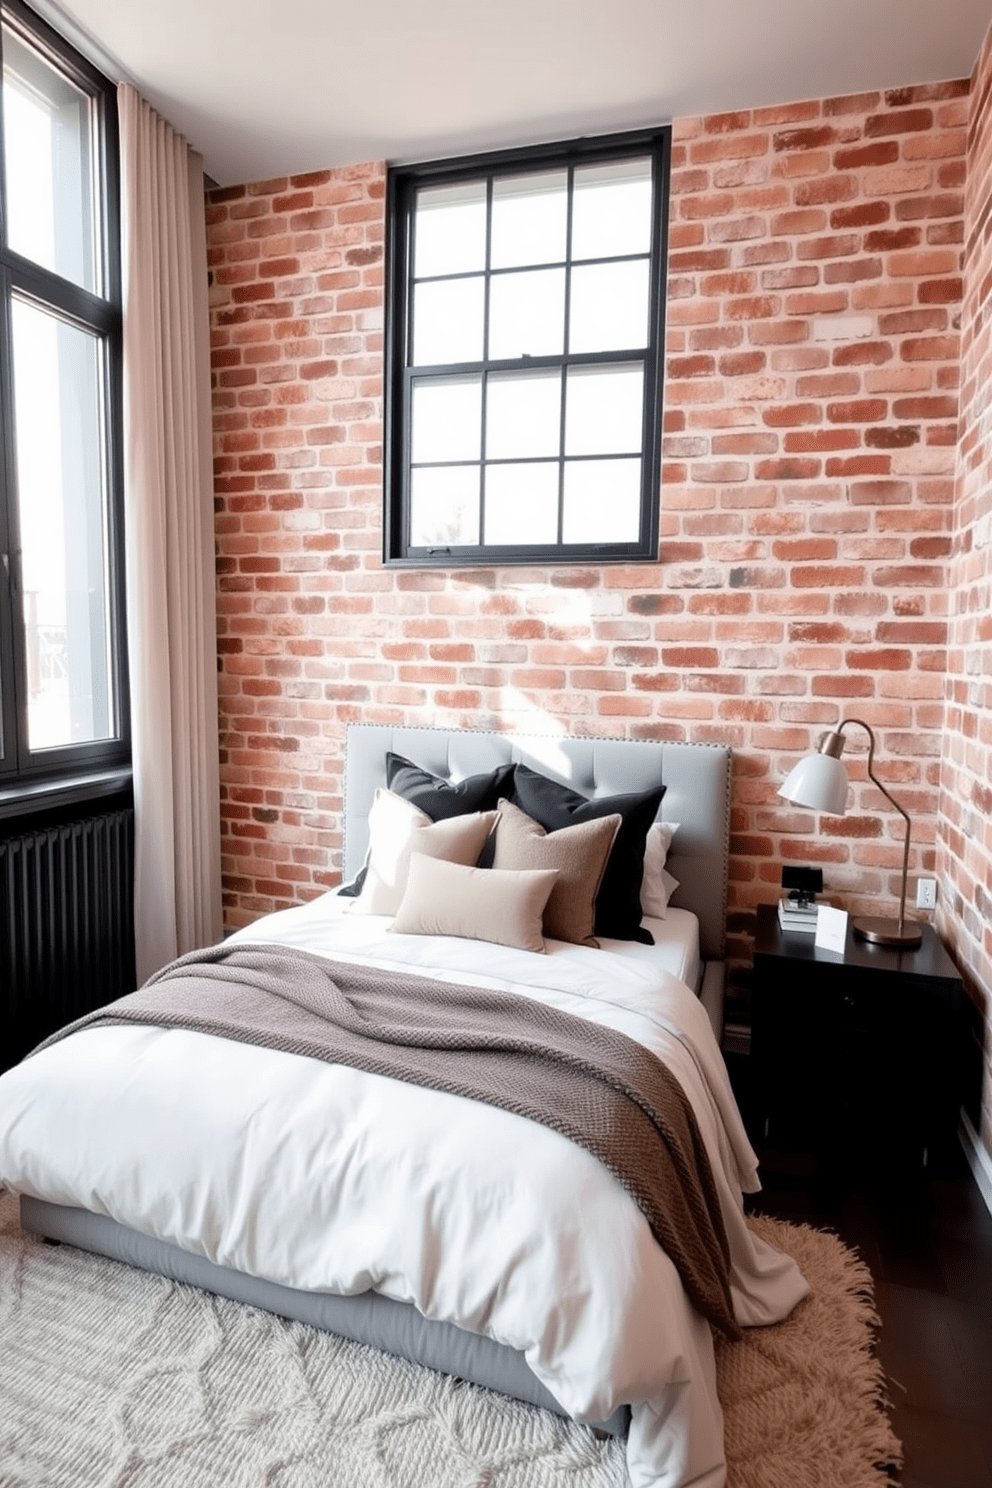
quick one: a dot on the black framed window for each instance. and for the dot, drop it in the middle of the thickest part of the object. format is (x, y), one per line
(63, 708)
(524, 336)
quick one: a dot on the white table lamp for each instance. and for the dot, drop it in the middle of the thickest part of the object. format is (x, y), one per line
(819, 782)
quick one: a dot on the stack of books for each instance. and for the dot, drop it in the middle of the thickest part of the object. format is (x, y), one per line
(795, 916)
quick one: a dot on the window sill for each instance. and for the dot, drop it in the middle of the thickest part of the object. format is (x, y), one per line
(27, 799)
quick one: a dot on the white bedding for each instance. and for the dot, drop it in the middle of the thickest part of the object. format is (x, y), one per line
(322, 1177)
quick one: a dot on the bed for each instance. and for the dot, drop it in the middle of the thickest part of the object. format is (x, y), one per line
(451, 1232)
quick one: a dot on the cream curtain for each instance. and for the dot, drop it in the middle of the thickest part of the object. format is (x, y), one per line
(169, 545)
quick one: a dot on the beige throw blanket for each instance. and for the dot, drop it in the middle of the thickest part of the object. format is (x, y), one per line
(596, 1086)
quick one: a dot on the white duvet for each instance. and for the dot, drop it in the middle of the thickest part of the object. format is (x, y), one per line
(325, 1178)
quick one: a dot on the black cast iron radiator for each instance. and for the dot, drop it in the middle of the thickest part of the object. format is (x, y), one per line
(66, 925)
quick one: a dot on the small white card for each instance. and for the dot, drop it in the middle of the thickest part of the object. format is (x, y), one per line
(831, 928)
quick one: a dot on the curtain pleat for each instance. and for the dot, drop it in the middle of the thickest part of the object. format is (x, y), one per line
(172, 628)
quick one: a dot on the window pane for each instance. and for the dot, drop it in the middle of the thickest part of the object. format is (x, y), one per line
(61, 504)
(526, 314)
(609, 308)
(447, 420)
(450, 229)
(521, 504)
(602, 501)
(611, 210)
(444, 506)
(530, 219)
(523, 415)
(604, 410)
(447, 321)
(49, 140)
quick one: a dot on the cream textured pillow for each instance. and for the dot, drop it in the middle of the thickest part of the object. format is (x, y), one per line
(580, 854)
(397, 829)
(477, 903)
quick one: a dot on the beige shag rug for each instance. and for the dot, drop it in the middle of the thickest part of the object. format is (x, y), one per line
(112, 1378)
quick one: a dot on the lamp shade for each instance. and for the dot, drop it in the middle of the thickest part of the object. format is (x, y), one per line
(819, 782)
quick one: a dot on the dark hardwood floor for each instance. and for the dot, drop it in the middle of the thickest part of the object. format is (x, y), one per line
(929, 1249)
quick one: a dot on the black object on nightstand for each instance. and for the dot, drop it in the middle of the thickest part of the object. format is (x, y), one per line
(856, 1058)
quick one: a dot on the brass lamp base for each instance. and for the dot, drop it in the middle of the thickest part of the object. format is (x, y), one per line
(888, 933)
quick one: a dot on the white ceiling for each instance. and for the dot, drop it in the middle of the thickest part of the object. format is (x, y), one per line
(266, 87)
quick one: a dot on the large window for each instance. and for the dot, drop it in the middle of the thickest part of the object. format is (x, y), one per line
(62, 702)
(524, 339)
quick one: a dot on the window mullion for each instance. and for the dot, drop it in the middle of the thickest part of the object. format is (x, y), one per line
(485, 357)
(565, 349)
(11, 619)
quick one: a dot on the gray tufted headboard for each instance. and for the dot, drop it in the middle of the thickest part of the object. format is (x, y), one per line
(697, 777)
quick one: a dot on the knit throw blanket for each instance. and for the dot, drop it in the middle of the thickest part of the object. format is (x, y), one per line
(598, 1087)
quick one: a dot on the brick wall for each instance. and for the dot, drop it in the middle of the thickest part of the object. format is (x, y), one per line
(964, 845)
(807, 510)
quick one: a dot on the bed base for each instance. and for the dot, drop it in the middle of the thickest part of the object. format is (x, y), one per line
(395, 1327)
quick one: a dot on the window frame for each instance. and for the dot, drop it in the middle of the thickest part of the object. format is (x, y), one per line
(24, 773)
(401, 188)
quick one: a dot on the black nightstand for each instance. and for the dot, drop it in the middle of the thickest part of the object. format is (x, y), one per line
(855, 1058)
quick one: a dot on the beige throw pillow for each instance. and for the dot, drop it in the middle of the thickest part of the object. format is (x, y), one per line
(478, 903)
(579, 853)
(397, 829)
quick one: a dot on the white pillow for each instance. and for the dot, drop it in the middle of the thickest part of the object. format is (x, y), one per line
(396, 829)
(501, 905)
(655, 891)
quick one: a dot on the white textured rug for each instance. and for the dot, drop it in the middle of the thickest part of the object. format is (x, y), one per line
(113, 1378)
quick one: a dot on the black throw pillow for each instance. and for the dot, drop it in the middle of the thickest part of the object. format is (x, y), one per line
(440, 799)
(618, 903)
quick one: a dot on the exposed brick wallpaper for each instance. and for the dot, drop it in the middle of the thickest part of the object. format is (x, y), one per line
(806, 514)
(964, 845)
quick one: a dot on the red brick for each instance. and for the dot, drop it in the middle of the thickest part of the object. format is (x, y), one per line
(901, 121)
(947, 204)
(852, 271)
(826, 576)
(881, 659)
(821, 440)
(825, 189)
(890, 240)
(742, 364)
(792, 278)
(715, 338)
(863, 214)
(804, 139)
(940, 291)
(925, 408)
(881, 493)
(790, 415)
(694, 261)
(912, 322)
(695, 366)
(842, 245)
(858, 465)
(926, 92)
(862, 411)
(862, 353)
(858, 156)
(930, 349)
(898, 437)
